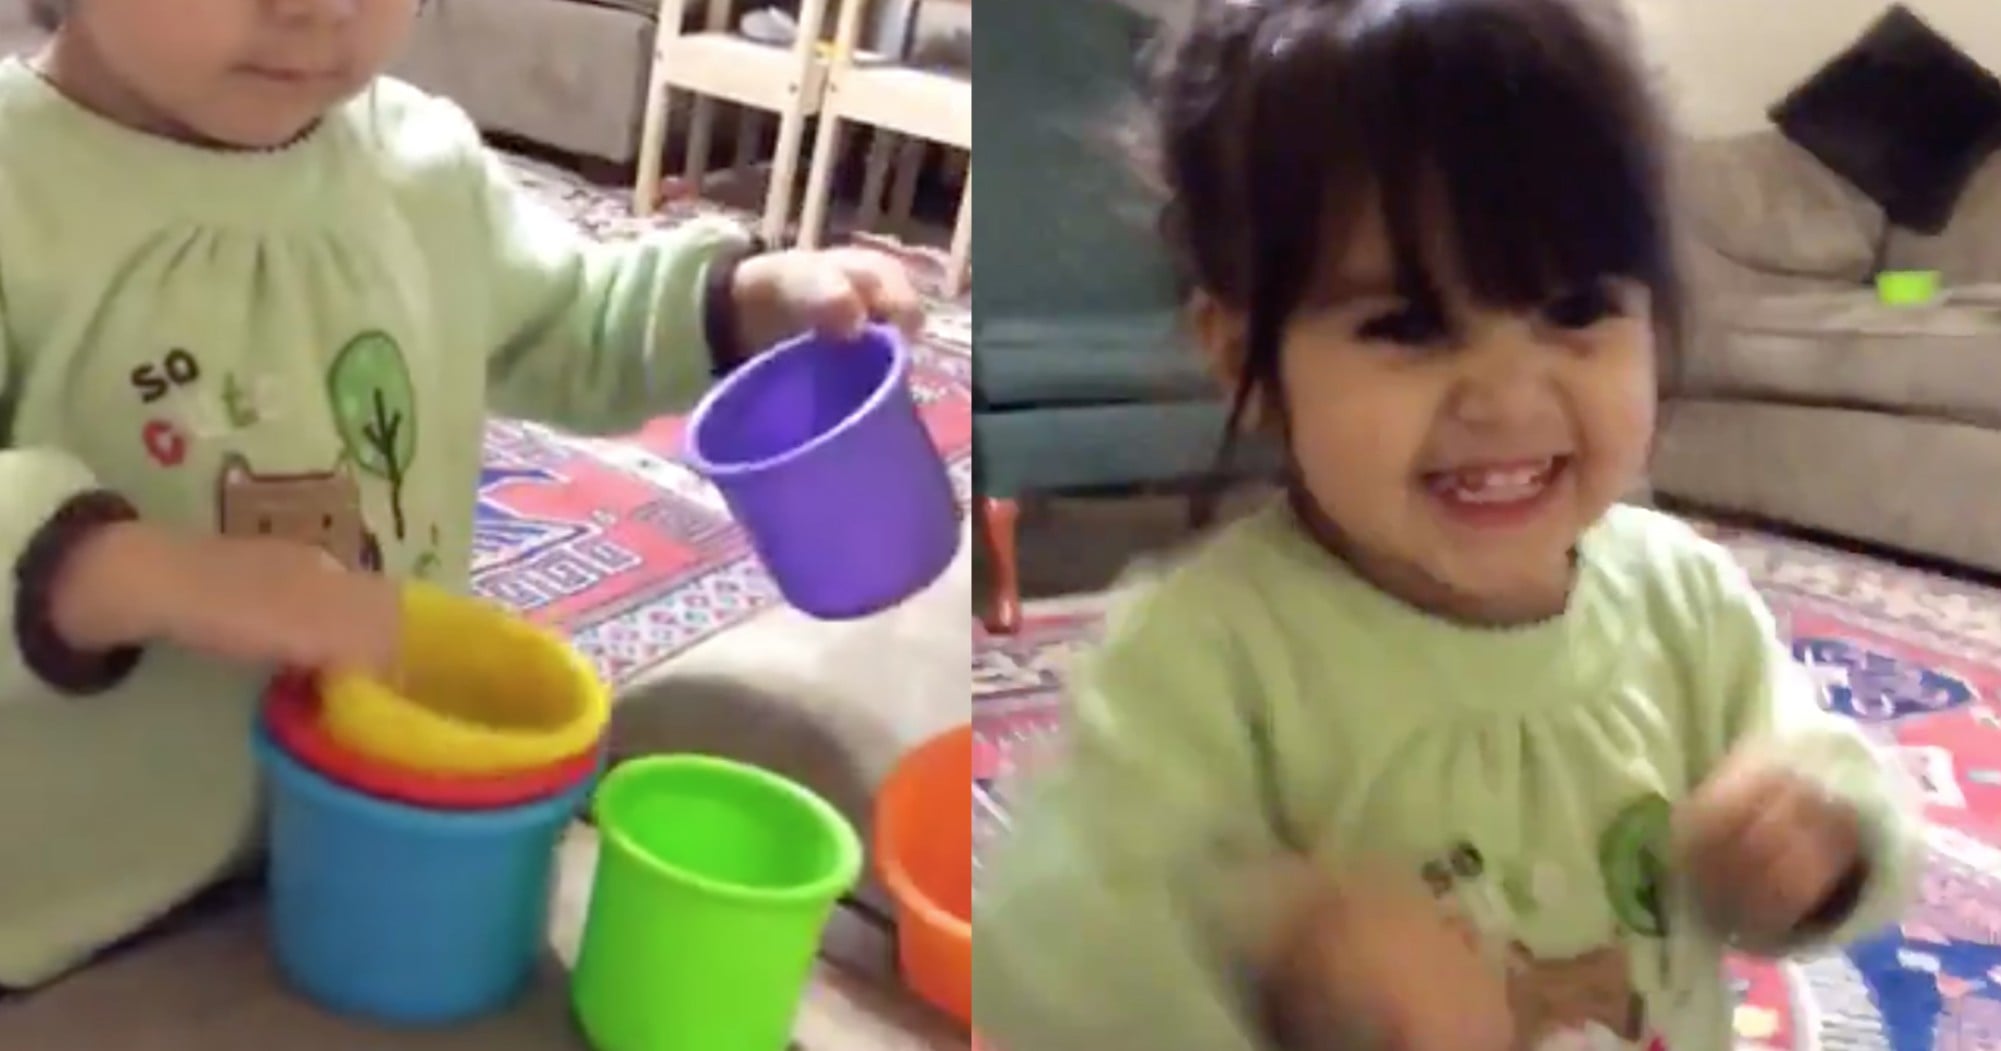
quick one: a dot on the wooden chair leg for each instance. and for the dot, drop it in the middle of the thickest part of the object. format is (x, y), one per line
(959, 263)
(881, 154)
(819, 191)
(701, 128)
(652, 138)
(1204, 500)
(809, 72)
(749, 141)
(701, 142)
(998, 522)
(903, 187)
(778, 196)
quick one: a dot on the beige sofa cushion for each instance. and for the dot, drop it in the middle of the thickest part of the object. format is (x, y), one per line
(1846, 349)
(1768, 205)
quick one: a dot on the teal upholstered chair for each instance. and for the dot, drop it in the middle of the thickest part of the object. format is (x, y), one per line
(1081, 377)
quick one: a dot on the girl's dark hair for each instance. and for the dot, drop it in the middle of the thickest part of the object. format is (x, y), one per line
(1520, 136)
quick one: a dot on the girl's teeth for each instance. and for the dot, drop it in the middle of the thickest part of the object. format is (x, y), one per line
(1499, 479)
(1494, 485)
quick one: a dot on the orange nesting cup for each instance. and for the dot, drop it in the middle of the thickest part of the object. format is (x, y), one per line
(924, 855)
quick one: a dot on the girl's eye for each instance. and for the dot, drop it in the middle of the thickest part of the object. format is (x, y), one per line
(1409, 326)
(1584, 307)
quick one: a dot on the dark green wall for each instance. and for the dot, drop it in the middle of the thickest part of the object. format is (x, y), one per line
(1061, 226)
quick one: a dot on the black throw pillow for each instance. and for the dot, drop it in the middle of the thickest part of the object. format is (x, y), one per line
(1902, 114)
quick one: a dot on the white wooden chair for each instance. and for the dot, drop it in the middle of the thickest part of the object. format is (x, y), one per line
(718, 64)
(933, 106)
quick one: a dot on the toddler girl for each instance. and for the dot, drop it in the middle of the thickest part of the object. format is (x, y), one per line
(256, 302)
(1444, 751)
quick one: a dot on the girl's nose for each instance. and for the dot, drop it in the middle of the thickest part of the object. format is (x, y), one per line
(1505, 378)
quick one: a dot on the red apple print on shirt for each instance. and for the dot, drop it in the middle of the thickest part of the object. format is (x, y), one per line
(164, 443)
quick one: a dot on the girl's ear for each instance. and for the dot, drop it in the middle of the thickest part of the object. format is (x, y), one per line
(1220, 334)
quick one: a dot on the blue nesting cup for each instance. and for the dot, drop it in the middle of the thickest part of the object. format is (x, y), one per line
(402, 916)
(818, 449)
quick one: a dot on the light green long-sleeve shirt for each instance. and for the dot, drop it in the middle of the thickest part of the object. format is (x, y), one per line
(1259, 698)
(304, 342)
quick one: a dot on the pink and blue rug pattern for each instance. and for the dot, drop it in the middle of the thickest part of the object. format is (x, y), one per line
(1915, 657)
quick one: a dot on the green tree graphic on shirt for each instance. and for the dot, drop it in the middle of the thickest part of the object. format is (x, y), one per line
(375, 408)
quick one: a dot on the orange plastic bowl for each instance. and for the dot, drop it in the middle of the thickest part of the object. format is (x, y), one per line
(924, 855)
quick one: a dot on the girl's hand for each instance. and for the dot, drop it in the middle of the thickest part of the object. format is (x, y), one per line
(1764, 849)
(1369, 965)
(254, 600)
(835, 292)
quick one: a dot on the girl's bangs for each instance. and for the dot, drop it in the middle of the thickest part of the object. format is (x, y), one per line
(1506, 133)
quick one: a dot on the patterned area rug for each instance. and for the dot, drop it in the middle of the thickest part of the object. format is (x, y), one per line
(1914, 657)
(615, 540)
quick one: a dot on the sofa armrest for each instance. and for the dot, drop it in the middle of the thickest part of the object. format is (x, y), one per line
(1087, 359)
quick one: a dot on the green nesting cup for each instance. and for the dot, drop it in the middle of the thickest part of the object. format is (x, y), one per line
(715, 881)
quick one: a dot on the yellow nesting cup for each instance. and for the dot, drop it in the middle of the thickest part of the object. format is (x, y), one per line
(478, 691)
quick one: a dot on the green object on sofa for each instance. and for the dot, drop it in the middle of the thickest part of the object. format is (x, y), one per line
(1907, 288)
(1082, 379)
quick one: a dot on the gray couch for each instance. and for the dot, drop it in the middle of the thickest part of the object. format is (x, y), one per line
(1808, 402)
(567, 74)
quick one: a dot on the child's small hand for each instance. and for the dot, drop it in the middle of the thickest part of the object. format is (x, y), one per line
(255, 600)
(1763, 848)
(835, 291)
(1365, 966)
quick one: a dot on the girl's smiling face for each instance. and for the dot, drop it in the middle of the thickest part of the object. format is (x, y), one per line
(1431, 248)
(1454, 453)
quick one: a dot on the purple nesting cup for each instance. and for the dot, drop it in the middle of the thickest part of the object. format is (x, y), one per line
(820, 453)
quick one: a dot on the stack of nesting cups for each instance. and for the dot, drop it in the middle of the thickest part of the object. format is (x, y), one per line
(414, 824)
